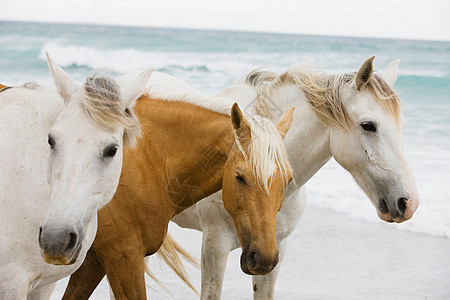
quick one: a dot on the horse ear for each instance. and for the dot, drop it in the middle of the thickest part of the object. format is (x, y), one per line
(364, 73)
(132, 86)
(391, 73)
(65, 85)
(285, 122)
(240, 125)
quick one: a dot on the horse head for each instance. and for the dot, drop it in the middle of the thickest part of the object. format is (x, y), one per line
(255, 177)
(370, 145)
(86, 142)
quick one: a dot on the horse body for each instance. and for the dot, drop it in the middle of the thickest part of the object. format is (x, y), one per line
(188, 151)
(310, 144)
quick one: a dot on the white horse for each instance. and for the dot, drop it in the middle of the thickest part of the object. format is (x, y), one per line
(355, 118)
(81, 176)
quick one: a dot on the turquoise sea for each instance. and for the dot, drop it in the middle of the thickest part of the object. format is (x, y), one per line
(212, 60)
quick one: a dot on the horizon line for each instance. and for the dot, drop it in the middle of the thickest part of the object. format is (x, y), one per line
(224, 30)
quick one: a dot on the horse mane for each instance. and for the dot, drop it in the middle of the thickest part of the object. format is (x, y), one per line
(259, 77)
(103, 106)
(27, 85)
(266, 151)
(31, 86)
(324, 93)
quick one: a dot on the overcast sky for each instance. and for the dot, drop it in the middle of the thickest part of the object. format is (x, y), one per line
(409, 19)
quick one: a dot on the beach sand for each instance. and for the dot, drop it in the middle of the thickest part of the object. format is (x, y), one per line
(329, 256)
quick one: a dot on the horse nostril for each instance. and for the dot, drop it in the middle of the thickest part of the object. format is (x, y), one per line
(39, 236)
(252, 259)
(382, 206)
(73, 238)
(401, 204)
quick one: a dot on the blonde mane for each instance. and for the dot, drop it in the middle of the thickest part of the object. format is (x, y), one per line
(324, 93)
(266, 151)
(103, 106)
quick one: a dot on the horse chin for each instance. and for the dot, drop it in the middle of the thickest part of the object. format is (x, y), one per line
(385, 216)
(61, 259)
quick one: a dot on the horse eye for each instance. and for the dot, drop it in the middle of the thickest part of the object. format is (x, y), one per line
(369, 126)
(51, 142)
(240, 179)
(110, 151)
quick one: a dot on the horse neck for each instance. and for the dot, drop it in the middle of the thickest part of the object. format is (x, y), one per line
(190, 146)
(308, 140)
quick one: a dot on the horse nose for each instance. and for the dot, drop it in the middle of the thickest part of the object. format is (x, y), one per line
(399, 207)
(260, 264)
(58, 241)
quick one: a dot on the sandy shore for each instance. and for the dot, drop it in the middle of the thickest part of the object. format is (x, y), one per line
(330, 256)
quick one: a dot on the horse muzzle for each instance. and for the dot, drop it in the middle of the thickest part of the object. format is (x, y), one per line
(255, 263)
(398, 209)
(59, 246)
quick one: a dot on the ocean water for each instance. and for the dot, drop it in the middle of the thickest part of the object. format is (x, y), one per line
(212, 60)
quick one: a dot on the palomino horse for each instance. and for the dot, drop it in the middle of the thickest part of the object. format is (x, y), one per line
(355, 118)
(191, 147)
(27, 114)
